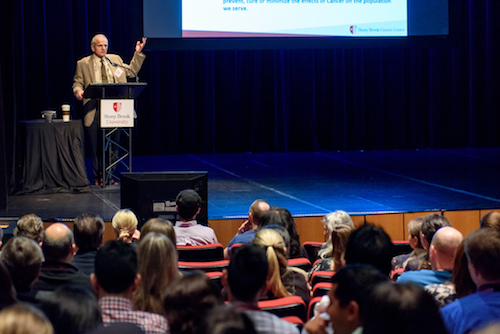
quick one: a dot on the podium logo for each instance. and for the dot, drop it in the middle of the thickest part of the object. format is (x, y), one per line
(353, 29)
(117, 106)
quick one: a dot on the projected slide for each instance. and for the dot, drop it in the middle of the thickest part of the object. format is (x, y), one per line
(261, 18)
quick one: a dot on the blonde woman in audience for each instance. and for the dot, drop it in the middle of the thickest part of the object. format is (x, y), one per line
(157, 265)
(332, 222)
(22, 318)
(161, 226)
(125, 225)
(282, 281)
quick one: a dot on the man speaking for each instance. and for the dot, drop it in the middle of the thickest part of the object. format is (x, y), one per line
(101, 67)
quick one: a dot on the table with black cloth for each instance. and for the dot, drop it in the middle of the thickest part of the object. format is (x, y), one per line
(54, 157)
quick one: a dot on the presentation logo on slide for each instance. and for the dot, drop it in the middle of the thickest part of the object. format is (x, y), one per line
(353, 29)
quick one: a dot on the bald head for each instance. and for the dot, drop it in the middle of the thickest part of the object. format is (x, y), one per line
(257, 208)
(443, 247)
(58, 243)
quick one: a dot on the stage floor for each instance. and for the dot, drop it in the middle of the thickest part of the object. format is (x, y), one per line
(308, 183)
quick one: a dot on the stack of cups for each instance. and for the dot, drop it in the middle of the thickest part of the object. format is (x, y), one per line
(65, 111)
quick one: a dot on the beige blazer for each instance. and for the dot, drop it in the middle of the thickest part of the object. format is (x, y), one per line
(84, 76)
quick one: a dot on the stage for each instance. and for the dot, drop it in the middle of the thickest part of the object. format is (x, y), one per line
(307, 183)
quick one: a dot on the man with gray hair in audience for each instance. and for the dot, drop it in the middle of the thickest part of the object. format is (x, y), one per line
(58, 248)
(23, 258)
(30, 226)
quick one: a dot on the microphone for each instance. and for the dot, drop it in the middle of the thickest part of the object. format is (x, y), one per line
(125, 67)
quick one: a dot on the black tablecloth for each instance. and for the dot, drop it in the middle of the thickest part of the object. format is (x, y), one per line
(53, 157)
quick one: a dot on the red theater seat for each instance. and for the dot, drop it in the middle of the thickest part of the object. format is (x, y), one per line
(208, 266)
(211, 252)
(285, 307)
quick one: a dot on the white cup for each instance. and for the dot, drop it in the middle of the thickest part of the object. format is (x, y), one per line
(66, 112)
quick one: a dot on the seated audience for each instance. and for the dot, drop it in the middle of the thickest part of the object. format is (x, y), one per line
(245, 280)
(73, 309)
(282, 281)
(246, 232)
(23, 257)
(339, 227)
(188, 302)
(400, 262)
(30, 226)
(442, 257)
(58, 249)
(491, 219)
(159, 225)
(24, 318)
(187, 230)
(125, 225)
(348, 308)
(157, 265)
(371, 245)
(7, 290)
(463, 283)
(281, 216)
(430, 224)
(482, 248)
(403, 309)
(89, 231)
(332, 222)
(114, 281)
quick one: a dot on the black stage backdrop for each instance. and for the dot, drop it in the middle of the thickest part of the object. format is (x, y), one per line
(214, 101)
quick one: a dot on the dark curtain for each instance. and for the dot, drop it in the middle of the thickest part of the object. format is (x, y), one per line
(420, 96)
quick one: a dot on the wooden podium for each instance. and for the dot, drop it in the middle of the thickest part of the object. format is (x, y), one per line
(117, 114)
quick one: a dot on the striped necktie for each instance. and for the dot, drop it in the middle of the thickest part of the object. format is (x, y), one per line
(104, 75)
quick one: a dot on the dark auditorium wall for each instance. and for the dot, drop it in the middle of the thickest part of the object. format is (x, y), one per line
(214, 101)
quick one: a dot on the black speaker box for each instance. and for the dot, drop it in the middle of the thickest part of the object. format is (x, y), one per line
(152, 194)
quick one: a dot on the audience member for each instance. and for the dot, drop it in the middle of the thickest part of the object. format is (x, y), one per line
(442, 256)
(482, 248)
(491, 219)
(159, 225)
(23, 318)
(245, 279)
(23, 257)
(89, 232)
(30, 226)
(114, 281)
(246, 232)
(403, 309)
(157, 265)
(463, 283)
(340, 226)
(58, 248)
(187, 230)
(430, 225)
(224, 319)
(400, 262)
(282, 281)
(73, 309)
(333, 222)
(125, 225)
(188, 301)
(281, 216)
(7, 290)
(352, 286)
(371, 245)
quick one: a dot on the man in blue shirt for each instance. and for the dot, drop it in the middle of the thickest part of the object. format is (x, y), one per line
(482, 248)
(442, 256)
(246, 232)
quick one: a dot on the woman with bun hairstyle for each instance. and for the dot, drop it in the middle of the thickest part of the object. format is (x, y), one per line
(125, 225)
